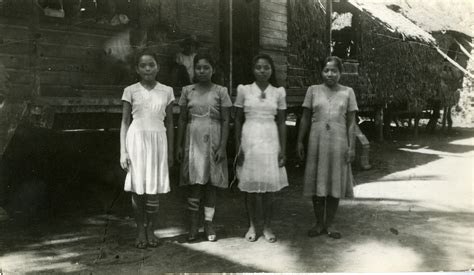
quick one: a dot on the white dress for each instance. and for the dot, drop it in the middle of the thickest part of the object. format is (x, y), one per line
(146, 141)
(260, 144)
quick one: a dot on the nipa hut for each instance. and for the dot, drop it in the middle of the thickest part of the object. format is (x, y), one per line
(401, 52)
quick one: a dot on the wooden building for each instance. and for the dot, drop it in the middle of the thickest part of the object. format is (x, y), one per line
(68, 71)
(64, 66)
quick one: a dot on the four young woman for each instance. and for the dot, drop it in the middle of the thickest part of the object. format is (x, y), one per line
(260, 135)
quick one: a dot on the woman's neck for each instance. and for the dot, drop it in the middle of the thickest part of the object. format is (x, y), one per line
(262, 84)
(333, 87)
(148, 84)
(205, 85)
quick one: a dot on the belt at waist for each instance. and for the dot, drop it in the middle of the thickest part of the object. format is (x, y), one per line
(260, 118)
(193, 118)
(148, 123)
(327, 122)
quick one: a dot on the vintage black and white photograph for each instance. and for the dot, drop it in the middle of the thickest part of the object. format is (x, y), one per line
(236, 136)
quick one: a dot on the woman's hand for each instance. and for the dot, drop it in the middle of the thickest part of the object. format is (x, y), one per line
(240, 158)
(179, 154)
(219, 154)
(350, 155)
(125, 161)
(281, 159)
(300, 150)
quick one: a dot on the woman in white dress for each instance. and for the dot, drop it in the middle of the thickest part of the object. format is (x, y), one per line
(146, 145)
(260, 131)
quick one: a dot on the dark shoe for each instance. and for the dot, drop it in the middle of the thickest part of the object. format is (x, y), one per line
(193, 233)
(333, 234)
(316, 231)
(209, 231)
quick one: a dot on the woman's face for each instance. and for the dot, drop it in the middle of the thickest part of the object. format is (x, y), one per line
(147, 68)
(203, 70)
(331, 73)
(262, 70)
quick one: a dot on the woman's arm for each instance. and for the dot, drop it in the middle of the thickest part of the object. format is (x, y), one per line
(170, 133)
(125, 124)
(239, 118)
(225, 117)
(281, 123)
(351, 124)
(182, 123)
(304, 126)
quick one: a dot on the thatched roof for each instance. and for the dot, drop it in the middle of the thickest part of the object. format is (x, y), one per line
(417, 19)
(407, 17)
(392, 19)
(438, 15)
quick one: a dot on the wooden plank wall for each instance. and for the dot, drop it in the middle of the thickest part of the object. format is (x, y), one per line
(273, 34)
(15, 59)
(180, 18)
(72, 57)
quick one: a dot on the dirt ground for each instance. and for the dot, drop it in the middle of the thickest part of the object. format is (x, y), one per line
(413, 211)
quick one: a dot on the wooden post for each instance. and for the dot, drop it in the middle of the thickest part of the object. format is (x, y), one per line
(379, 123)
(329, 25)
(417, 120)
(230, 47)
(34, 36)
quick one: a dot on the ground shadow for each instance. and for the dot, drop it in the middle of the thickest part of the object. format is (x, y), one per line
(381, 235)
(68, 207)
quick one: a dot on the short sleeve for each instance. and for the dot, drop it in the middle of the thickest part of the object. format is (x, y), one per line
(183, 99)
(281, 104)
(170, 95)
(224, 97)
(127, 95)
(239, 101)
(352, 106)
(308, 99)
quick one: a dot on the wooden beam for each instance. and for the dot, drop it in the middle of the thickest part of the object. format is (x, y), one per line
(454, 63)
(34, 35)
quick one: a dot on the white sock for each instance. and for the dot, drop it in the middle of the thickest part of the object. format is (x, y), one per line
(209, 213)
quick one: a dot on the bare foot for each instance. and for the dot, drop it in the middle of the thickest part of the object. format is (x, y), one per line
(141, 242)
(153, 241)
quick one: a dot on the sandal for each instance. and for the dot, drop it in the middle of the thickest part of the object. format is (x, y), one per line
(269, 236)
(154, 243)
(210, 232)
(140, 244)
(251, 236)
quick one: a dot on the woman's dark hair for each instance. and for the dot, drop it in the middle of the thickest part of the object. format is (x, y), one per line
(334, 59)
(141, 53)
(206, 57)
(268, 58)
